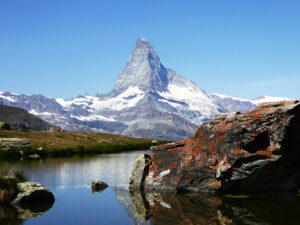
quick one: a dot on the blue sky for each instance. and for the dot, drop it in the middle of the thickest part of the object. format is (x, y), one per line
(242, 48)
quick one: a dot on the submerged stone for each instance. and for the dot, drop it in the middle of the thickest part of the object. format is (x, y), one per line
(98, 186)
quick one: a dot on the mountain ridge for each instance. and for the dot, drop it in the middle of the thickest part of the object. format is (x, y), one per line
(20, 119)
(147, 100)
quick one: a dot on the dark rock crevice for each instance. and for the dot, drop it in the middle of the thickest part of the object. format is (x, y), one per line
(261, 142)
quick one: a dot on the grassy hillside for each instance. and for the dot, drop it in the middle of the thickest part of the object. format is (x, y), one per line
(69, 139)
(67, 143)
(20, 119)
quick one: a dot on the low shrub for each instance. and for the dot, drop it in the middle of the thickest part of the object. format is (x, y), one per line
(20, 176)
(8, 189)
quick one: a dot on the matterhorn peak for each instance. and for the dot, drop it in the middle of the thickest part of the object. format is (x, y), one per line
(143, 70)
(143, 43)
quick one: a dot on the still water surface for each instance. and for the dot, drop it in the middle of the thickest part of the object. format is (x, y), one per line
(70, 181)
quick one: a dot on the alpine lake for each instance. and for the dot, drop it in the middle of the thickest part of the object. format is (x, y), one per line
(70, 179)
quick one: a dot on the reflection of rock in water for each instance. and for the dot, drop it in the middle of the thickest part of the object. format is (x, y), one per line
(195, 208)
(9, 215)
(15, 215)
(140, 204)
(125, 199)
(171, 208)
(265, 209)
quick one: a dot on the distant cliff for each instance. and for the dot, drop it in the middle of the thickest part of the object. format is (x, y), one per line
(254, 151)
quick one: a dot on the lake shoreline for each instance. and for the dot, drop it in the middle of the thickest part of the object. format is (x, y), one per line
(64, 144)
(31, 152)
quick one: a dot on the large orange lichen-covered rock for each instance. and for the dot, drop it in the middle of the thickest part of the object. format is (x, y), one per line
(255, 151)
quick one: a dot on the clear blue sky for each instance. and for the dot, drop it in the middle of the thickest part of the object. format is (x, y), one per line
(242, 48)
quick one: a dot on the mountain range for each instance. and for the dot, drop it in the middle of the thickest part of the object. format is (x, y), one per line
(148, 100)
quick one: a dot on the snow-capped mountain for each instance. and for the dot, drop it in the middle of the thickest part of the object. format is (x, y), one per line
(263, 99)
(232, 104)
(148, 100)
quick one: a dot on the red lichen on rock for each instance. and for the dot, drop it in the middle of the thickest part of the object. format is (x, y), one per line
(251, 151)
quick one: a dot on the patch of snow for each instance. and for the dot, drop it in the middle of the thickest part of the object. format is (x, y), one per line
(8, 98)
(234, 98)
(93, 117)
(268, 99)
(143, 39)
(64, 102)
(195, 98)
(32, 111)
(175, 105)
(127, 99)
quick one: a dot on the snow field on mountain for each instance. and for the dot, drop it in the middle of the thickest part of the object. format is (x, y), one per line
(127, 99)
(196, 99)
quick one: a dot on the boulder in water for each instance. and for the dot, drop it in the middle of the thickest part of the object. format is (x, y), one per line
(98, 186)
(33, 192)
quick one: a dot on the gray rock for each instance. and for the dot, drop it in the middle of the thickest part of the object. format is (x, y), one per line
(14, 142)
(33, 192)
(34, 156)
(139, 171)
(139, 204)
(257, 151)
(98, 186)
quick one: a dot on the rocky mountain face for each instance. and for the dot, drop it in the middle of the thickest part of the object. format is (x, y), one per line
(234, 152)
(148, 100)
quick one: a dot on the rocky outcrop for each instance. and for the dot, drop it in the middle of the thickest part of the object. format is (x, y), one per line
(98, 186)
(33, 192)
(254, 151)
(139, 171)
(14, 142)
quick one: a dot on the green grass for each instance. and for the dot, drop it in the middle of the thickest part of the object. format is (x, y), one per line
(9, 186)
(103, 148)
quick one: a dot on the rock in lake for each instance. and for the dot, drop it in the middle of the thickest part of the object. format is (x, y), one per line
(33, 192)
(98, 186)
(139, 171)
(254, 151)
(34, 156)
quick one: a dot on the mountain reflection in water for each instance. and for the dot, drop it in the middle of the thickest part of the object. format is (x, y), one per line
(70, 181)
